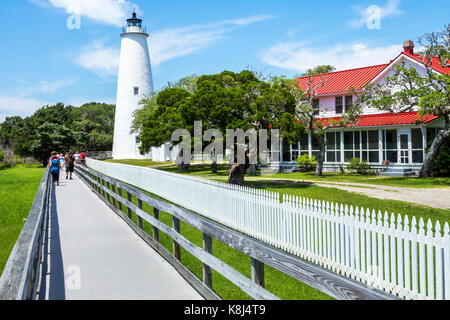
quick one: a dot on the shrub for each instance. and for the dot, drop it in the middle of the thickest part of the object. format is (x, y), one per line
(306, 163)
(441, 166)
(359, 166)
(2, 155)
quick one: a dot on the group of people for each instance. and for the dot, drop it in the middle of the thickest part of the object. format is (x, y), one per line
(58, 163)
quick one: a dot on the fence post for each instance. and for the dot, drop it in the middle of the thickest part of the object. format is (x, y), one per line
(176, 246)
(113, 187)
(107, 195)
(258, 272)
(207, 273)
(155, 229)
(120, 202)
(130, 213)
(139, 219)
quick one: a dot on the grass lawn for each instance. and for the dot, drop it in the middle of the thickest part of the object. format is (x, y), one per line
(18, 188)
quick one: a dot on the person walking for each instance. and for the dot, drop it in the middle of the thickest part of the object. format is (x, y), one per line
(77, 157)
(83, 158)
(70, 165)
(55, 166)
(61, 160)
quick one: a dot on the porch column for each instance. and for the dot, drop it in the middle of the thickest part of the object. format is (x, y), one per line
(424, 141)
(309, 145)
(380, 146)
(341, 148)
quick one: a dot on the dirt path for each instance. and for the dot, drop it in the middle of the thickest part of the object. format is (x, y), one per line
(432, 197)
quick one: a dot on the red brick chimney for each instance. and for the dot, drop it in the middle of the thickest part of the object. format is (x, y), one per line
(408, 47)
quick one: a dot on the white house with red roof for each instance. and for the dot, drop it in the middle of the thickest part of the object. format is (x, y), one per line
(378, 137)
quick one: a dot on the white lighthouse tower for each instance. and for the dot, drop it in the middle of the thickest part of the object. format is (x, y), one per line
(134, 83)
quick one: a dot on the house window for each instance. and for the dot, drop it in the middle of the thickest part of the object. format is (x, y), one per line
(304, 145)
(333, 147)
(352, 145)
(136, 91)
(286, 151)
(339, 105)
(417, 145)
(316, 106)
(390, 152)
(294, 152)
(431, 134)
(315, 147)
(348, 102)
(369, 146)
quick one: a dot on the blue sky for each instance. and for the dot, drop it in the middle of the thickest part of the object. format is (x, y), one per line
(42, 61)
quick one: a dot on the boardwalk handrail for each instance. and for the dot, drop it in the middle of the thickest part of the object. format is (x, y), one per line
(20, 278)
(261, 253)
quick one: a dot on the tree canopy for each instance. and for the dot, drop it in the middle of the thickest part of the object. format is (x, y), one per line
(319, 70)
(59, 128)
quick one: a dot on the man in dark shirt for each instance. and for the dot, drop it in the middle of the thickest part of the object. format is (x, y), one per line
(70, 164)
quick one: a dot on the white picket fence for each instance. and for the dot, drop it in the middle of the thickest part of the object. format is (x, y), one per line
(407, 258)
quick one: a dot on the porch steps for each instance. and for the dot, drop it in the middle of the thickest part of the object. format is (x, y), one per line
(398, 172)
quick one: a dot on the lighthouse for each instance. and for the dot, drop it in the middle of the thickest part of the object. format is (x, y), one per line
(135, 82)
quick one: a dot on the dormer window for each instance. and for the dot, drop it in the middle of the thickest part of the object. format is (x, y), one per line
(316, 106)
(136, 91)
(348, 102)
(339, 105)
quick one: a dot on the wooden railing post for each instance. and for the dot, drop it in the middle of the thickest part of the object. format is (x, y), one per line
(119, 190)
(155, 229)
(139, 219)
(258, 272)
(176, 246)
(130, 213)
(113, 187)
(107, 195)
(207, 273)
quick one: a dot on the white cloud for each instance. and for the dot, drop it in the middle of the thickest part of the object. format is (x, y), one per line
(164, 45)
(389, 10)
(102, 60)
(297, 56)
(18, 106)
(42, 87)
(113, 12)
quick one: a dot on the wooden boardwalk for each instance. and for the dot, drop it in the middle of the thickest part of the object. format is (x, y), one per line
(92, 254)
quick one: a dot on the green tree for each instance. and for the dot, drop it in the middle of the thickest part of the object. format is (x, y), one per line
(52, 137)
(319, 70)
(222, 101)
(95, 122)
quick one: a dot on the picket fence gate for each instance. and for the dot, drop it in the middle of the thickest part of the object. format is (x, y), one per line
(399, 255)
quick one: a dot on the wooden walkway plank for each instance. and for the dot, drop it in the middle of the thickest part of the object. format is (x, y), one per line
(92, 254)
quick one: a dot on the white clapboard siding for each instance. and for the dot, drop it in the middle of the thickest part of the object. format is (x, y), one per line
(399, 255)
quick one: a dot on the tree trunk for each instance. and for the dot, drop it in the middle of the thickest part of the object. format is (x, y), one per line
(321, 157)
(236, 174)
(237, 171)
(184, 167)
(432, 154)
(252, 170)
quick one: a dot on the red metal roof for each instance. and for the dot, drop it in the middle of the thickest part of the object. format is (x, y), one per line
(383, 119)
(342, 81)
(435, 62)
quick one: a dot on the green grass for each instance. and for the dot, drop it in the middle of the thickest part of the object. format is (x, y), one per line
(18, 188)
